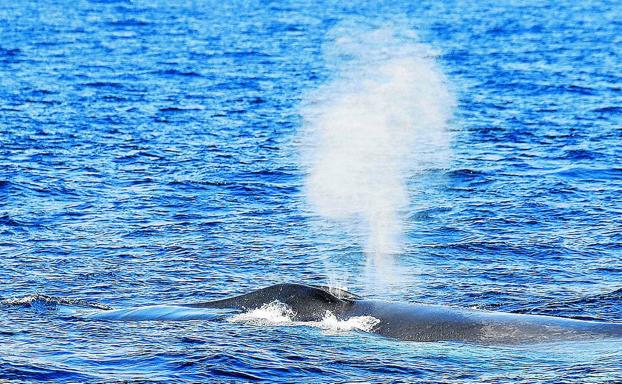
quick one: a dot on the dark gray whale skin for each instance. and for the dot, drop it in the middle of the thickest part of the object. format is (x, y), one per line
(420, 322)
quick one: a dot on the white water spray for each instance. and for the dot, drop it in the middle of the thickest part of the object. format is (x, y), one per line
(277, 313)
(380, 119)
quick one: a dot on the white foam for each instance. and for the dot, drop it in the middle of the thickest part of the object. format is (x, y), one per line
(277, 313)
(274, 313)
(358, 323)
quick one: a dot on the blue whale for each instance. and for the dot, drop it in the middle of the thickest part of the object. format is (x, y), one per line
(403, 321)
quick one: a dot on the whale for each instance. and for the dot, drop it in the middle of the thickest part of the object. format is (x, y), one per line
(419, 322)
(406, 321)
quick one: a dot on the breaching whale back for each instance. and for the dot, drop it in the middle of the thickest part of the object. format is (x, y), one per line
(309, 303)
(420, 322)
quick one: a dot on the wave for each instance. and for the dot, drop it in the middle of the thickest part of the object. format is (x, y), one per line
(40, 301)
(607, 306)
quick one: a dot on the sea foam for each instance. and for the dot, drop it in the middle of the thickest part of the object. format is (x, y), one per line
(277, 313)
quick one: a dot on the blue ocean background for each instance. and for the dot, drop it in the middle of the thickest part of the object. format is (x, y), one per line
(149, 154)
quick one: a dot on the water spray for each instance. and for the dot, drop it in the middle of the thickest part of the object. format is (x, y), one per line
(377, 122)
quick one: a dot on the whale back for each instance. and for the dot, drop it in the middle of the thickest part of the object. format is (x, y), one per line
(309, 303)
(418, 322)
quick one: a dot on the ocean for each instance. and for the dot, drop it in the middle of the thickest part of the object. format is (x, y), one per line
(460, 153)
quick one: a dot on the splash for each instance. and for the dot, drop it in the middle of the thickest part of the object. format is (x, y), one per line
(277, 313)
(381, 119)
(358, 323)
(273, 313)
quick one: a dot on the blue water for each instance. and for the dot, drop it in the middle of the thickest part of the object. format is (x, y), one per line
(148, 155)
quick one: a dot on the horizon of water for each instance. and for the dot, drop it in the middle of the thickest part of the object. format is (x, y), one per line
(150, 154)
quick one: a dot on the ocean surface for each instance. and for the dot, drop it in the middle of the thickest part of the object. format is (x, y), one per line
(153, 152)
